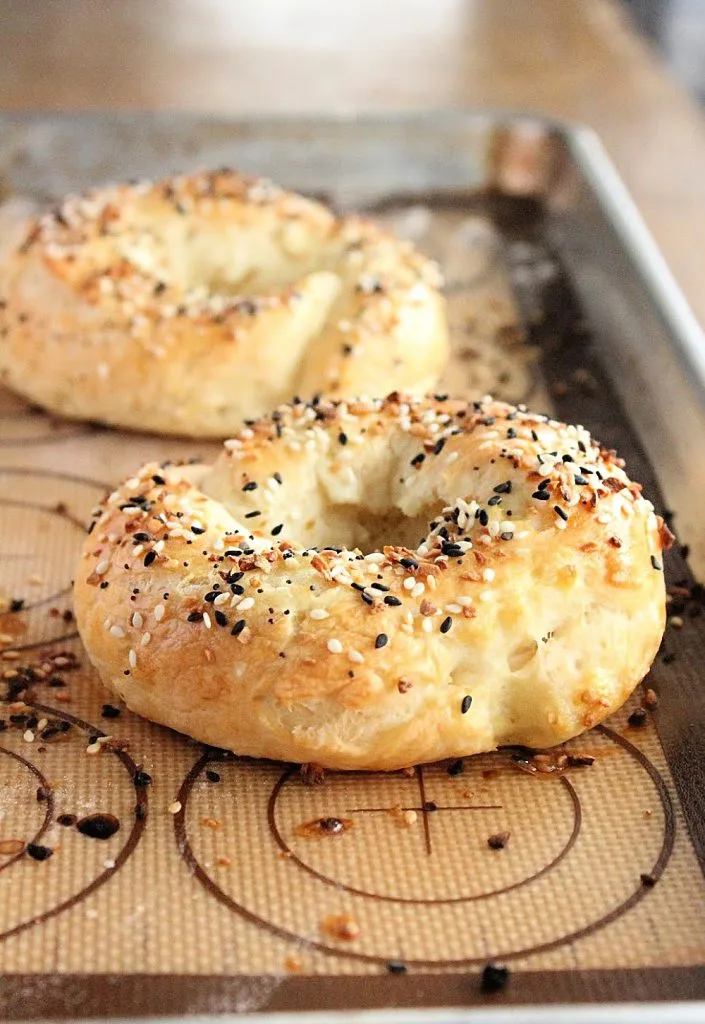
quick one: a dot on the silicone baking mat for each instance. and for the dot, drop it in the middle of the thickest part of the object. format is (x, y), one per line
(142, 873)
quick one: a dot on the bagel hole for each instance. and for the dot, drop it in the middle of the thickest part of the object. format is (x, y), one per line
(352, 526)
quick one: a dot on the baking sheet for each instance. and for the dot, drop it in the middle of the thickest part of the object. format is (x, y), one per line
(207, 898)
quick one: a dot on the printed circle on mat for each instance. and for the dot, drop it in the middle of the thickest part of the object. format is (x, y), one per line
(23, 424)
(49, 867)
(43, 521)
(408, 858)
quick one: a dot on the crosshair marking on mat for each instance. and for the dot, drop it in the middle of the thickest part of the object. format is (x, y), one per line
(426, 810)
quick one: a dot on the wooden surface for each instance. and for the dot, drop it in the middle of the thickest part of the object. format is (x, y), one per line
(575, 59)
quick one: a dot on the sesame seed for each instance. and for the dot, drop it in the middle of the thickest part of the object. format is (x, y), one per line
(488, 575)
(655, 562)
(391, 600)
(159, 611)
(382, 640)
(355, 657)
(102, 567)
(137, 620)
(334, 646)
(174, 807)
(247, 602)
(132, 658)
(418, 589)
(149, 558)
(117, 631)
(318, 613)
(409, 583)
(145, 638)
(238, 628)
(207, 620)
(560, 512)
(446, 624)
(28, 736)
(465, 704)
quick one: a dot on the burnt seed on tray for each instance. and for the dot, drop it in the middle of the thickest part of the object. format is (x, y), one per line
(637, 719)
(66, 820)
(498, 841)
(38, 852)
(212, 776)
(494, 978)
(397, 967)
(648, 881)
(98, 826)
(456, 767)
(142, 779)
(110, 711)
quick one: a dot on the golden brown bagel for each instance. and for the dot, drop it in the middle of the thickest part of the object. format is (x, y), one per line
(529, 611)
(189, 305)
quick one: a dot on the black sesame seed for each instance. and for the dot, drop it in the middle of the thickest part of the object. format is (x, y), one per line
(506, 535)
(198, 530)
(141, 536)
(504, 488)
(250, 486)
(534, 435)
(220, 617)
(159, 479)
(541, 495)
(483, 517)
(276, 530)
(655, 562)
(391, 600)
(195, 617)
(496, 499)
(409, 563)
(637, 719)
(581, 480)
(238, 627)
(251, 515)
(379, 586)
(149, 558)
(439, 446)
(37, 852)
(211, 596)
(110, 711)
(381, 640)
(278, 477)
(397, 967)
(418, 459)
(494, 978)
(367, 598)
(560, 512)
(237, 588)
(342, 437)
(446, 624)
(465, 704)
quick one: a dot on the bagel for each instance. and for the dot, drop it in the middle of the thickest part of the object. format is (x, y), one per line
(282, 603)
(187, 306)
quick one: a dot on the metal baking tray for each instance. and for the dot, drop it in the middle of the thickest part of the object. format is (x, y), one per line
(611, 313)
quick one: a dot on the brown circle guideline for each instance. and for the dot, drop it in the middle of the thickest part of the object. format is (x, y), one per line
(656, 871)
(19, 502)
(127, 849)
(49, 812)
(294, 859)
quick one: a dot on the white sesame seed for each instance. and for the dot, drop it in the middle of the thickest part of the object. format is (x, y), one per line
(117, 631)
(374, 556)
(28, 736)
(137, 551)
(108, 864)
(427, 625)
(319, 613)
(144, 639)
(406, 627)
(102, 567)
(132, 658)
(356, 657)
(431, 582)
(137, 619)
(42, 724)
(159, 611)
(334, 646)
(409, 583)
(174, 807)
(453, 609)
(93, 748)
(242, 606)
(488, 575)
(486, 595)
(207, 620)
(466, 602)
(418, 589)
(221, 598)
